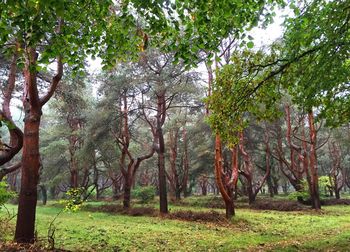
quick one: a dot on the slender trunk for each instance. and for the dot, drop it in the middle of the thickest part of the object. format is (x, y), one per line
(161, 115)
(163, 201)
(186, 163)
(73, 163)
(275, 185)
(316, 202)
(43, 194)
(270, 186)
(204, 190)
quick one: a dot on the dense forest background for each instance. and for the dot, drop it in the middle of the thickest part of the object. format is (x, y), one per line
(184, 103)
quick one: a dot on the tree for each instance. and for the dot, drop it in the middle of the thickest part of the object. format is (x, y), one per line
(41, 29)
(8, 151)
(337, 176)
(70, 102)
(229, 112)
(166, 82)
(248, 164)
(178, 156)
(319, 37)
(128, 169)
(111, 31)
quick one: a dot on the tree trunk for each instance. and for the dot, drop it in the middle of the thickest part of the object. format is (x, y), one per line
(74, 178)
(275, 186)
(337, 194)
(251, 194)
(32, 105)
(316, 202)
(43, 194)
(161, 115)
(127, 194)
(230, 209)
(30, 175)
(270, 186)
(226, 190)
(116, 188)
(163, 201)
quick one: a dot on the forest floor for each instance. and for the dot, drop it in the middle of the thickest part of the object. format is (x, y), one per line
(97, 227)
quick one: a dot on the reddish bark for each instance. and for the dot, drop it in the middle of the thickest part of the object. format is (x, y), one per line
(226, 181)
(314, 188)
(210, 81)
(16, 135)
(30, 158)
(247, 171)
(129, 169)
(294, 171)
(74, 144)
(337, 176)
(178, 174)
(159, 144)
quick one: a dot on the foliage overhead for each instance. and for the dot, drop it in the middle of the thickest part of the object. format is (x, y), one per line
(320, 33)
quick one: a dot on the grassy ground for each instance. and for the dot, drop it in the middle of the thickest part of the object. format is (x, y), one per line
(252, 230)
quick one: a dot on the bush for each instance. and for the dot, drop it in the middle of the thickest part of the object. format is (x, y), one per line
(323, 184)
(5, 195)
(144, 194)
(304, 193)
(74, 199)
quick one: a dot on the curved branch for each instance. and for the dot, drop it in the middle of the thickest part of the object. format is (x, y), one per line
(10, 169)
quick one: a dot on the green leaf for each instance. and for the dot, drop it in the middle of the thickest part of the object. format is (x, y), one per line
(250, 44)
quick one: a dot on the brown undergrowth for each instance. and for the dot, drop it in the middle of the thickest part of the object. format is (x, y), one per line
(14, 247)
(118, 209)
(279, 205)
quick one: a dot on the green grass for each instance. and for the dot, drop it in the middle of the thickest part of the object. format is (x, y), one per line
(250, 230)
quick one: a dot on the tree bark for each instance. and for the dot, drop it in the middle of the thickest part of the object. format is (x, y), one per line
(29, 180)
(316, 202)
(16, 135)
(43, 191)
(225, 184)
(161, 114)
(32, 105)
(127, 194)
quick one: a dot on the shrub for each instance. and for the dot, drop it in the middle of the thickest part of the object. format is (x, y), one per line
(323, 184)
(304, 193)
(144, 194)
(5, 194)
(74, 199)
